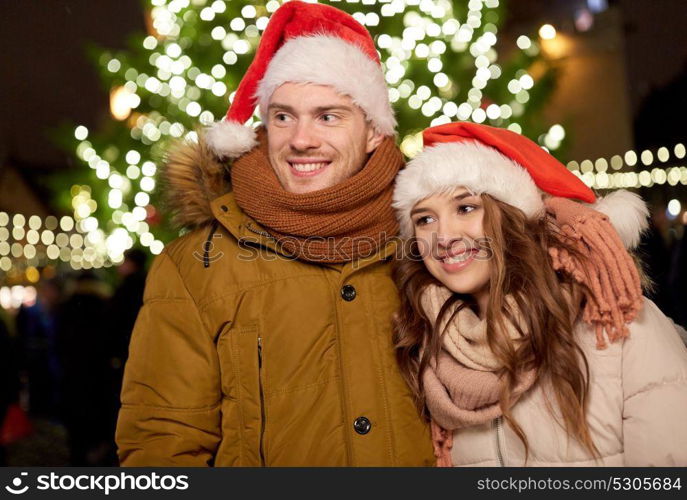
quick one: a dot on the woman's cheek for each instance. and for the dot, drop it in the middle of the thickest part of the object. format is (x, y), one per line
(424, 244)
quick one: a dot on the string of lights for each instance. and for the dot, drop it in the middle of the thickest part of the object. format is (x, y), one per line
(12, 297)
(29, 244)
(596, 174)
(604, 173)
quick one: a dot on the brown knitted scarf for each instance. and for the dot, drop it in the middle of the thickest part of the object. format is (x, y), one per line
(347, 221)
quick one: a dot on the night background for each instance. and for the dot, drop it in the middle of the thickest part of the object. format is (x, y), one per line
(91, 92)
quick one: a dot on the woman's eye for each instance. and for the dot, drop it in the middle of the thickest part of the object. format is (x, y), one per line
(466, 209)
(421, 221)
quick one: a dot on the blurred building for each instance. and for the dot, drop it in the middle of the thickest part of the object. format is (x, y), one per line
(611, 56)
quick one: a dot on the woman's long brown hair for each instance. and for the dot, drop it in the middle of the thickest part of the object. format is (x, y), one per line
(550, 303)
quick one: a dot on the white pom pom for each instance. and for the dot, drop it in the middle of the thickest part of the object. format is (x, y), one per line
(627, 212)
(230, 139)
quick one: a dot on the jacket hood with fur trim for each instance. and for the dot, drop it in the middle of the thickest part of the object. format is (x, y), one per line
(193, 176)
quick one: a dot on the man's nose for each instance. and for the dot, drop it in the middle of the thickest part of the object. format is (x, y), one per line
(304, 137)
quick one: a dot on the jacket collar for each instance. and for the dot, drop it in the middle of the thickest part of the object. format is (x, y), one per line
(247, 231)
(240, 225)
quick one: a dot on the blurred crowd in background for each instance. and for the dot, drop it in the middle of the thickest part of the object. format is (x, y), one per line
(664, 254)
(62, 361)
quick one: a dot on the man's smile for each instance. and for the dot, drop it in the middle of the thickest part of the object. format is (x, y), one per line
(307, 167)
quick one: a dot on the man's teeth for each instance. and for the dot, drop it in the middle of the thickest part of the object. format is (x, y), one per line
(457, 258)
(308, 167)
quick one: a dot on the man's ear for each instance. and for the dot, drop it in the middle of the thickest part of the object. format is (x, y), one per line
(374, 139)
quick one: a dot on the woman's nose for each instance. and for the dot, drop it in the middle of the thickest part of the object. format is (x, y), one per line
(447, 234)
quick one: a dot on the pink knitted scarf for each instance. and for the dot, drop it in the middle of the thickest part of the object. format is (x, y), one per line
(461, 386)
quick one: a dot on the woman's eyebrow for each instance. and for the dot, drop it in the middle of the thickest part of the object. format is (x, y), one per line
(466, 194)
(418, 209)
(459, 197)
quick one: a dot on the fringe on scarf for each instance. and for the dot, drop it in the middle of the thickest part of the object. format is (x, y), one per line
(613, 289)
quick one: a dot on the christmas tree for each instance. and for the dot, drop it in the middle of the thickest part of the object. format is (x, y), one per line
(440, 60)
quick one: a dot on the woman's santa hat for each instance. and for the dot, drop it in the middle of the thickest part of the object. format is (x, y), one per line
(306, 43)
(509, 167)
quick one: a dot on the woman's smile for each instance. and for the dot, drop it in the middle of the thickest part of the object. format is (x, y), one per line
(455, 262)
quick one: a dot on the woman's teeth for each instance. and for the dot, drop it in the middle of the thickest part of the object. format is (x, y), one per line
(308, 167)
(457, 258)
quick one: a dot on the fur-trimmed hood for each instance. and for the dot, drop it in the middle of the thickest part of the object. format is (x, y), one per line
(193, 177)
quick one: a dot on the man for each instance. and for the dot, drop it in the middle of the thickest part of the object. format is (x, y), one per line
(265, 335)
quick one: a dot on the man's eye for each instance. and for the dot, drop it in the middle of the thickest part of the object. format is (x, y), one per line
(281, 117)
(328, 118)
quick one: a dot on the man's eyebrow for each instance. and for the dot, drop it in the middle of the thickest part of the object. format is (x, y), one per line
(317, 110)
(282, 107)
(340, 107)
(459, 197)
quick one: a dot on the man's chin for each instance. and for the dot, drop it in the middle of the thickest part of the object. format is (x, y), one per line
(305, 186)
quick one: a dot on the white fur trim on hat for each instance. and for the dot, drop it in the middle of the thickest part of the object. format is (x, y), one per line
(328, 60)
(474, 166)
(230, 139)
(628, 214)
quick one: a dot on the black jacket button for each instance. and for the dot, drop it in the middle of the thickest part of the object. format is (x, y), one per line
(362, 425)
(348, 292)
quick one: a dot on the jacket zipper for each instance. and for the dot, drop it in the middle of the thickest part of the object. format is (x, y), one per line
(499, 454)
(250, 227)
(262, 401)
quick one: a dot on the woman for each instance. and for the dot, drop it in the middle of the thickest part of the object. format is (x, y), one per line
(523, 330)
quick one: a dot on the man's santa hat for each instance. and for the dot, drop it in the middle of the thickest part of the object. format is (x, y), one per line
(509, 167)
(306, 43)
